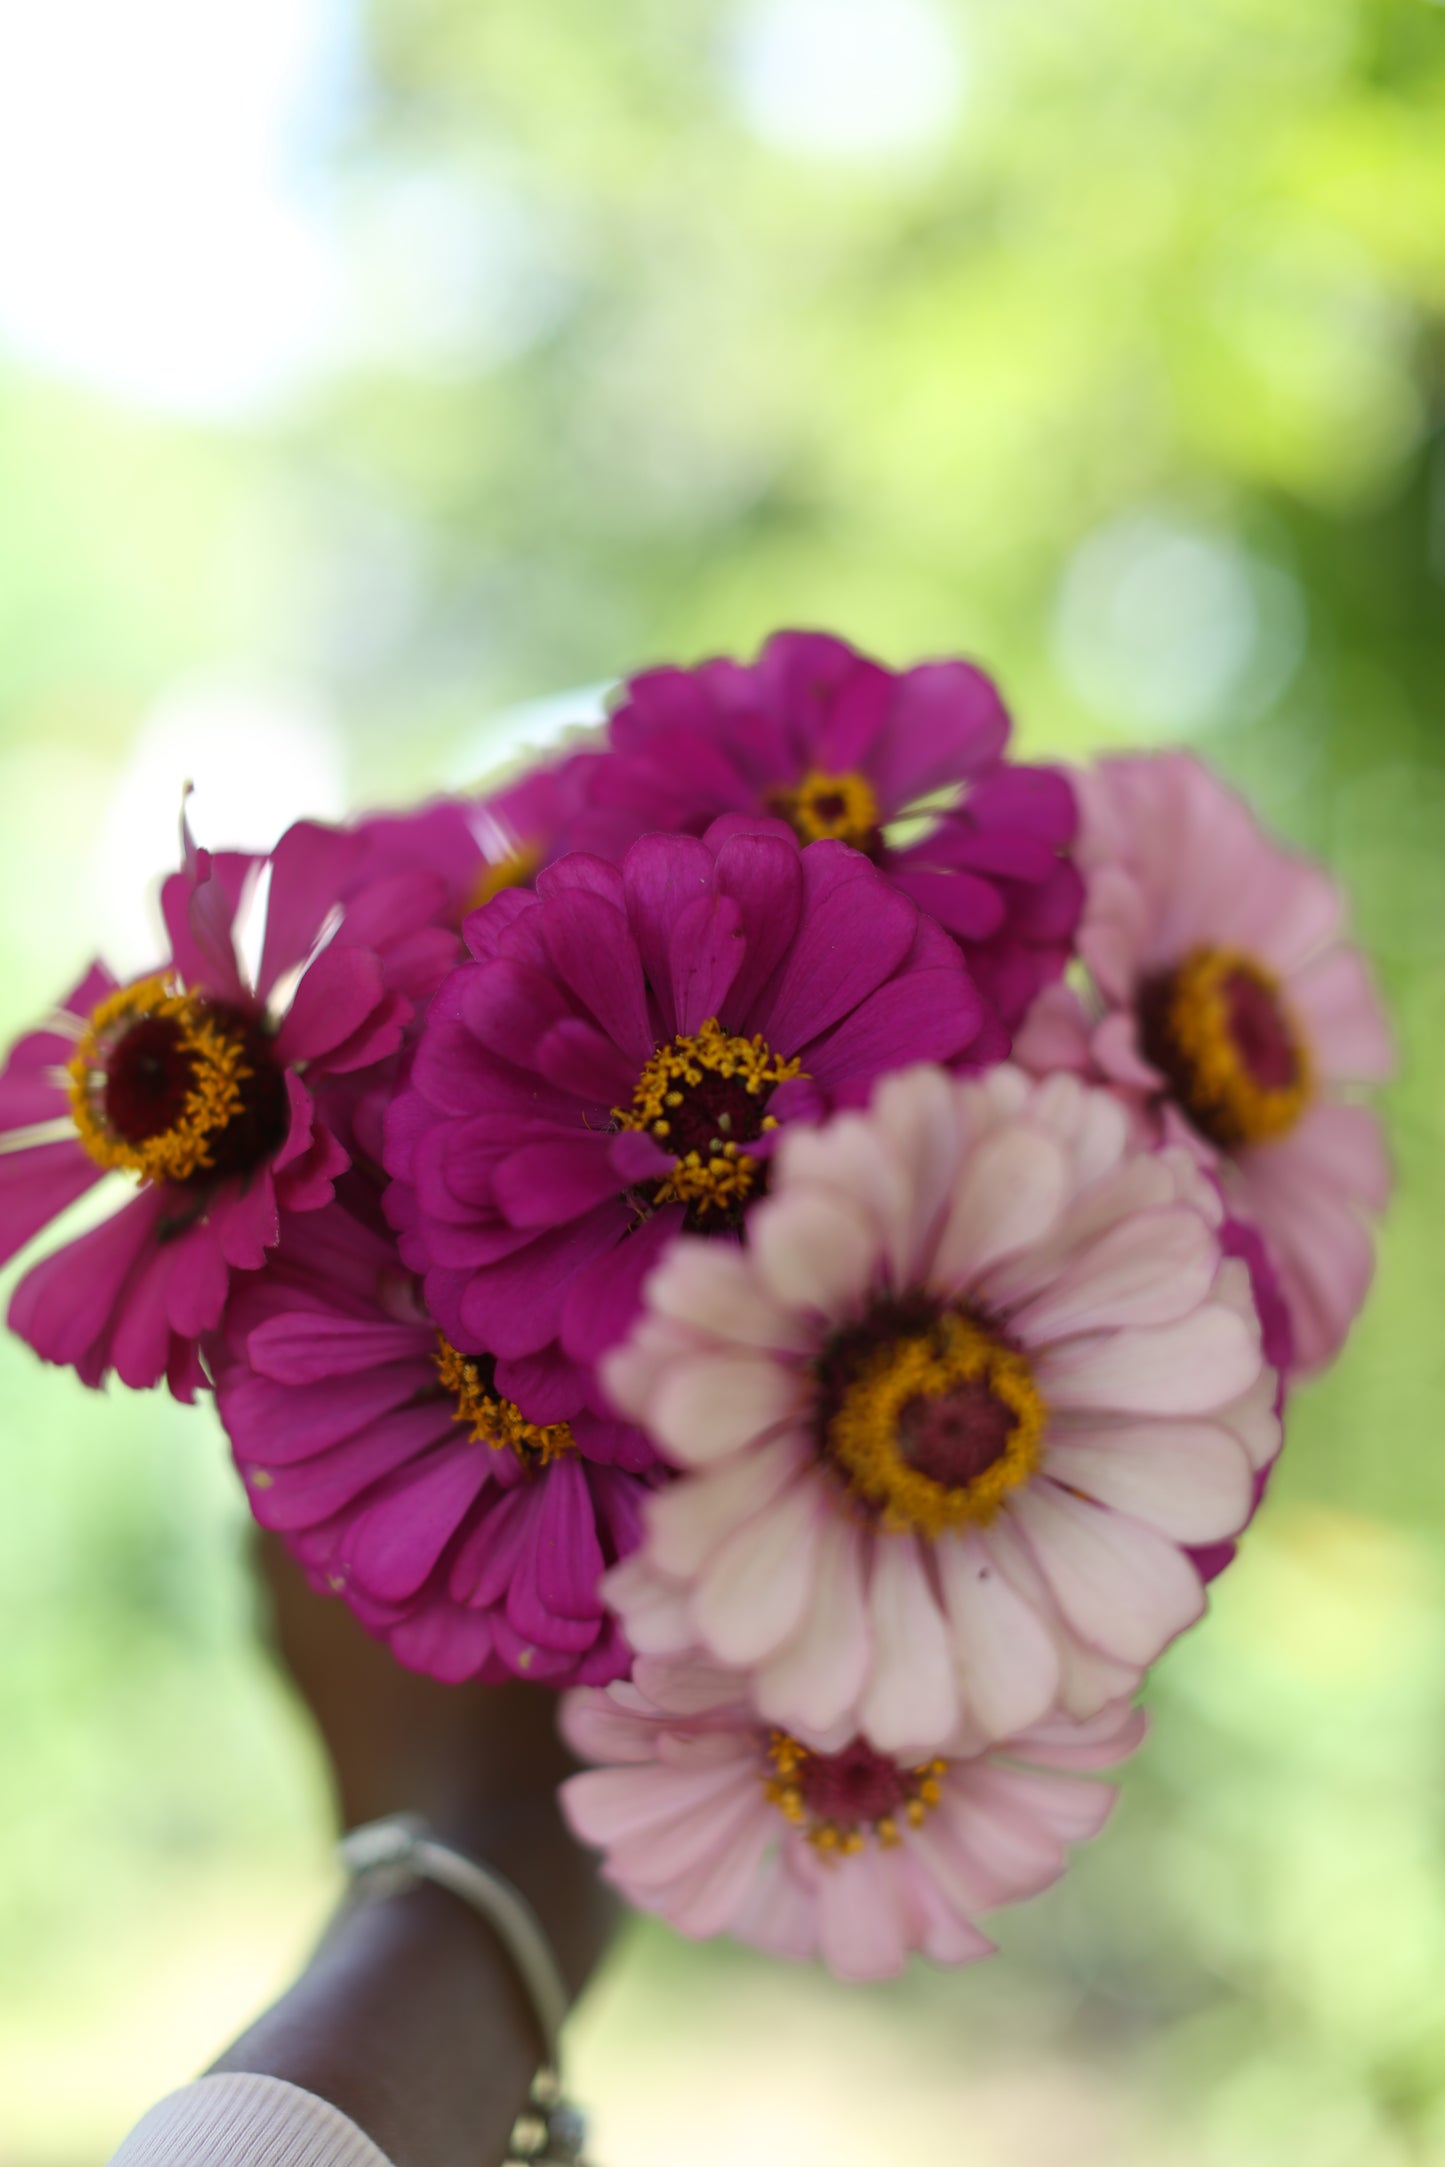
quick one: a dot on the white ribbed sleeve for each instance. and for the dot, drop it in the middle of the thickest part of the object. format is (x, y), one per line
(241, 2121)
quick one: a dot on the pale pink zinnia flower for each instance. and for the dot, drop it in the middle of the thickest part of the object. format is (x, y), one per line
(1233, 1017)
(725, 1825)
(950, 1421)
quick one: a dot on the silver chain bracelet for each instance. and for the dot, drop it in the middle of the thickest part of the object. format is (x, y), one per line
(389, 1856)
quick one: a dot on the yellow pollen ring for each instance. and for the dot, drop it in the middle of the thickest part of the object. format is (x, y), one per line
(922, 1786)
(1222, 1095)
(824, 807)
(212, 1102)
(863, 1434)
(493, 1421)
(724, 1174)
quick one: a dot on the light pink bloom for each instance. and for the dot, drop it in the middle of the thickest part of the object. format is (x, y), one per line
(1234, 1018)
(951, 1420)
(723, 1825)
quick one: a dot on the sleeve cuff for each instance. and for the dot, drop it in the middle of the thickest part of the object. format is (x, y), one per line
(246, 2121)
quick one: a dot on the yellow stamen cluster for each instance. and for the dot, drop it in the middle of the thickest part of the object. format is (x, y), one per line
(922, 1786)
(218, 1070)
(1222, 1096)
(514, 871)
(823, 806)
(863, 1435)
(494, 1421)
(721, 1174)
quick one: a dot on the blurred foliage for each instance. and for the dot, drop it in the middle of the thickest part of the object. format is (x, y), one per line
(1126, 372)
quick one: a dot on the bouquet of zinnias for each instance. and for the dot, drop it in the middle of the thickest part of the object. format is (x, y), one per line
(782, 1222)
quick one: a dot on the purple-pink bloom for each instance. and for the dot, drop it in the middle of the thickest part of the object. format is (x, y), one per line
(478, 846)
(1231, 1015)
(467, 1532)
(204, 1082)
(620, 1058)
(724, 1825)
(832, 742)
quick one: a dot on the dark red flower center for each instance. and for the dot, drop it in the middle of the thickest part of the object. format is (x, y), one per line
(148, 1080)
(956, 1438)
(840, 1800)
(704, 1098)
(176, 1088)
(855, 1785)
(928, 1416)
(1261, 1036)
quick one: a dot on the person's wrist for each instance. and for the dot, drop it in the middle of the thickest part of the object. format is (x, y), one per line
(524, 1837)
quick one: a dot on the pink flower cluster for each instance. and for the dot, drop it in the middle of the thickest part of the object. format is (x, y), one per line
(784, 1223)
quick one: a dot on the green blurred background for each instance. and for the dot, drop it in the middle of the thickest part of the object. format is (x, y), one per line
(370, 372)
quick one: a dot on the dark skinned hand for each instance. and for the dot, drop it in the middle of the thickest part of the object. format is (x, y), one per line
(410, 2017)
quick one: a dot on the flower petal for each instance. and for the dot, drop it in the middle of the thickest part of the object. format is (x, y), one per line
(1189, 1368)
(911, 1702)
(1124, 1588)
(1012, 1188)
(1192, 1481)
(1008, 1664)
(815, 1678)
(755, 1589)
(712, 1405)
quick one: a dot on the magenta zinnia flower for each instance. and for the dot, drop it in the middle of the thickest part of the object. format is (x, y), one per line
(839, 746)
(200, 1083)
(1234, 1018)
(950, 1422)
(472, 1535)
(621, 1058)
(725, 1825)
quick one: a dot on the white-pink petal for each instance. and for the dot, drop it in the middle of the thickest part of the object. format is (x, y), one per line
(690, 1687)
(1108, 1736)
(1192, 1367)
(1055, 1033)
(711, 1288)
(911, 1702)
(688, 1520)
(1192, 1481)
(706, 1406)
(609, 1806)
(1151, 1269)
(1007, 1662)
(631, 1371)
(1070, 1808)
(752, 1594)
(702, 1824)
(1255, 1421)
(779, 1915)
(1009, 1851)
(709, 1901)
(597, 1728)
(812, 1250)
(859, 1932)
(917, 1116)
(815, 1679)
(653, 1609)
(1009, 1196)
(1125, 1589)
